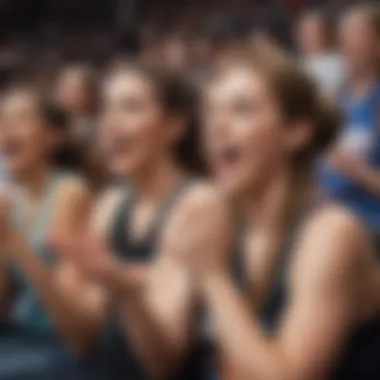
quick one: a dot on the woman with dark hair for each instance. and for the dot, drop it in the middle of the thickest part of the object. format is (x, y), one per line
(77, 93)
(51, 313)
(302, 301)
(149, 137)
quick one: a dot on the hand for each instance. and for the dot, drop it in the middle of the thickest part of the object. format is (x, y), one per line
(85, 252)
(200, 237)
(346, 163)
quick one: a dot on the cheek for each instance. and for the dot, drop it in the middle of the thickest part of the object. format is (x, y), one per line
(264, 151)
(31, 133)
(265, 135)
(145, 132)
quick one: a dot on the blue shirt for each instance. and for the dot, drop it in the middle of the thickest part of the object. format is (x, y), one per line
(361, 135)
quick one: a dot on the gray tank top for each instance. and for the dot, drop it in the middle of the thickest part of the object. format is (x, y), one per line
(27, 313)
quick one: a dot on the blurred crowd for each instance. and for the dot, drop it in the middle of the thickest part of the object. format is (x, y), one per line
(139, 145)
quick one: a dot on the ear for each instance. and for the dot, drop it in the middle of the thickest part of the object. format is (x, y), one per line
(298, 135)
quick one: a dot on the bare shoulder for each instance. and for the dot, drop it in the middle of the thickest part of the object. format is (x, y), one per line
(333, 244)
(335, 224)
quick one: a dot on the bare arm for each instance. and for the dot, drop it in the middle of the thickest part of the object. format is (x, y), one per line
(324, 295)
(88, 248)
(160, 321)
(74, 305)
(358, 170)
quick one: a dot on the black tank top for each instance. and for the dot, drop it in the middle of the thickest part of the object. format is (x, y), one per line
(117, 354)
(360, 358)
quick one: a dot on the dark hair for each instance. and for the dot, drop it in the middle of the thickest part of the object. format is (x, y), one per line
(68, 155)
(179, 98)
(89, 79)
(299, 99)
(71, 154)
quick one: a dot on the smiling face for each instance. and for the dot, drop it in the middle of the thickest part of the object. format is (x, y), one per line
(135, 133)
(26, 140)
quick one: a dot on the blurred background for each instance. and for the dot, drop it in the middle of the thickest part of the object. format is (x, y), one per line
(64, 46)
(39, 35)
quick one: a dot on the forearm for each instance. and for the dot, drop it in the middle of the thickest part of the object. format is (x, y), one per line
(369, 179)
(123, 280)
(250, 353)
(68, 312)
(155, 342)
(358, 171)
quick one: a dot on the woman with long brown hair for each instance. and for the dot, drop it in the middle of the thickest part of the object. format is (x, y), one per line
(302, 301)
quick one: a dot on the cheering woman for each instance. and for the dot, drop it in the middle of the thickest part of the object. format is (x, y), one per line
(50, 312)
(302, 299)
(149, 137)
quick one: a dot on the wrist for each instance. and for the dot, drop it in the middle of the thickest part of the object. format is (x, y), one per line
(119, 281)
(212, 280)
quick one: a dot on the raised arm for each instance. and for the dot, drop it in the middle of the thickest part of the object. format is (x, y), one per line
(351, 157)
(75, 306)
(323, 306)
(160, 321)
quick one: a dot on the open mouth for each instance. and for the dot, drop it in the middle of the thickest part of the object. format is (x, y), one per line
(119, 146)
(227, 159)
(229, 156)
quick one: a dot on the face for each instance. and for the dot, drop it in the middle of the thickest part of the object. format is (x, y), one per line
(243, 131)
(134, 133)
(176, 54)
(357, 42)
(25, 139)
(72, 92)
(311, 35)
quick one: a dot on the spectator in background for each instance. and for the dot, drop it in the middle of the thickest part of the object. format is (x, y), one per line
(76, 92)
(54, 312)
(314, 38)
(202, 55)
(176, 53)
(352, 173)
